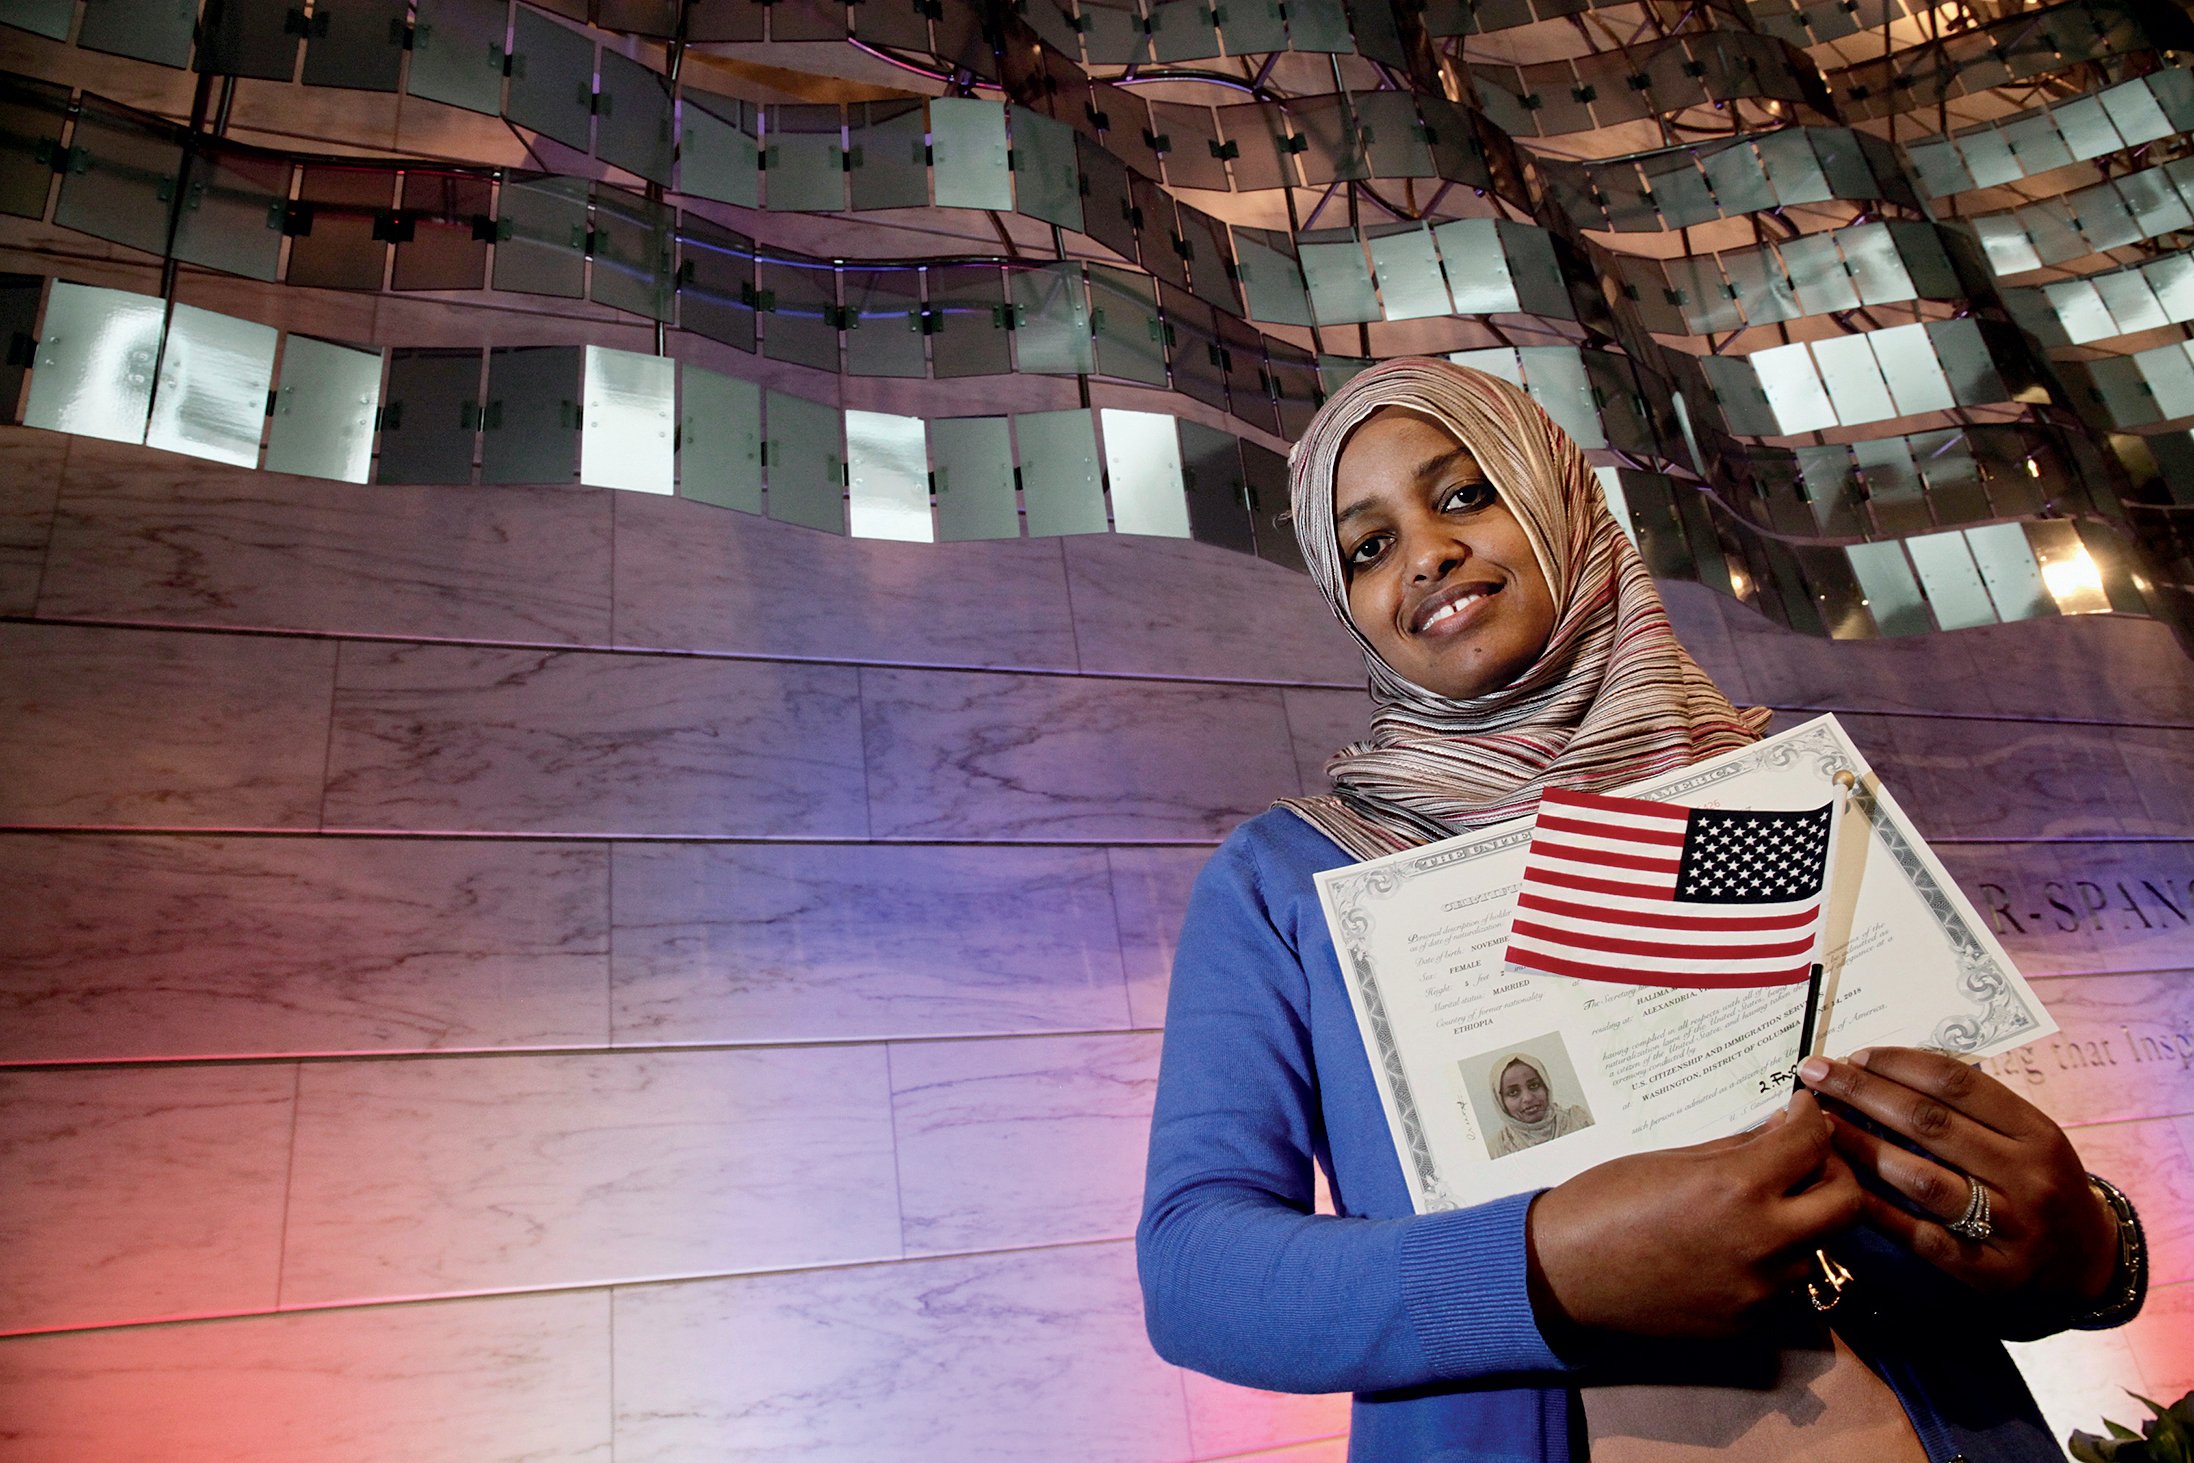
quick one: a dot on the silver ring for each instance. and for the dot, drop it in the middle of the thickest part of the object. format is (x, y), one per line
(1974, 1223)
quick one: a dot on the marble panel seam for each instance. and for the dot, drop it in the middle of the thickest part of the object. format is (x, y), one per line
(2127, 1121)
(577, 1287)
(53, 519)
(284, 632)
(1278, 1450)
(289, 1182)
(812, 840)
(666, 652)
(1816, 708)
(1066, 589)
(1287, 721)
(995, 668)
(1973, 839)
(884, 840)
(327, 745)
(898, 1177)
(2100, 974)
(460, 1297)
(616, 1048)
(732, 840)
(434, 1054)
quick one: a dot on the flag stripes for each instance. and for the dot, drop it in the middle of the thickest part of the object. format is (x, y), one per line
(1540, 904)
(1672, 837)
(1580, 854)
(1628, 890)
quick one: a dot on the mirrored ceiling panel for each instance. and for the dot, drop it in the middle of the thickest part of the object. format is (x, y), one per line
(632, 124)
(441, 242)
(805, 462)
(1057, 453)
(551, 80)
(887, 477)
(969, 320)
(633, 240)
(884, 323)
(720, 439)
(31, 118)
(800, 301)
(252, 38)
(339, 244)
(720, 155)
(1341, 292)
(231, 218)
(541, 237)
(889, 156)
(1143, 465)
(431, 417)
(356, 44)
(1046, 184)
(2070, 574)
(530, 426)
(973, 459)
(1271, 278)
(2009, 569)
(121, 179)
(968, 152)
(324, 410)
(49, 18)
(1407, 269)
(1555, 377)
(629, 407)
(211, 398)
(716, 289)
(804, 160)
(159, 31)
(92, 375)
(457, 53)
(1051, 332)
(1216, 488)
(1952, 582)
(1124, 319)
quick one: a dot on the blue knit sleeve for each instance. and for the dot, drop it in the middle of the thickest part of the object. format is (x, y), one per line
(1241, 1280)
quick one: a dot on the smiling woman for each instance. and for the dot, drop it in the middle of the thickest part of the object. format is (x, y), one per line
(1423, 484)
(1523, 1090)
(1514, 644)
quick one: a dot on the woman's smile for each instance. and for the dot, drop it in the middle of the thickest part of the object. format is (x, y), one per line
(1452, 609)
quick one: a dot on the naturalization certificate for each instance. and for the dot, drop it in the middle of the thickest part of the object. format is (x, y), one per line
(1498, 1079)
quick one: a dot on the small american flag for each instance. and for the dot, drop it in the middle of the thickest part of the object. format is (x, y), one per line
(1647, 893)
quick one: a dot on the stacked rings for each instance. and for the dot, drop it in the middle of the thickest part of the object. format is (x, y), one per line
(1974, 1223)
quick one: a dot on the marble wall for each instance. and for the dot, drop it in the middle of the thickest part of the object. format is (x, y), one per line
(524, 973)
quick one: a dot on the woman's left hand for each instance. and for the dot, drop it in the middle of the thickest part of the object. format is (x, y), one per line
(2053, 1241)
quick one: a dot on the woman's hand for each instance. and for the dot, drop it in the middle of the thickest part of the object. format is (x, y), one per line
(2054, 1241)
(1689, 1241)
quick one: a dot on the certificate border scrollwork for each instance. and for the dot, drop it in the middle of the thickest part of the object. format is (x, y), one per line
(1352, 891)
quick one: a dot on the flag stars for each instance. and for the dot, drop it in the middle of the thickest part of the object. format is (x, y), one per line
(1753, 857)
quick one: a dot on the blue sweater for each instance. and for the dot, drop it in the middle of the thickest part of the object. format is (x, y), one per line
(1424, 1317)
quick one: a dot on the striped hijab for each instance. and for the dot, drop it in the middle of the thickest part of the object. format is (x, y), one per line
(1612, 698)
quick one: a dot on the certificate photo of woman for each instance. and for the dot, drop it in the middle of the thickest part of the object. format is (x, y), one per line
(1525, 1095)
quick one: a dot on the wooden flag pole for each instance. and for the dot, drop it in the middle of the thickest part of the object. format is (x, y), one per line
(1826, 1287)
(1846, 781)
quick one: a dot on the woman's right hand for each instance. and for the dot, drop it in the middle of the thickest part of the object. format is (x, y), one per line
(1689, 1241)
